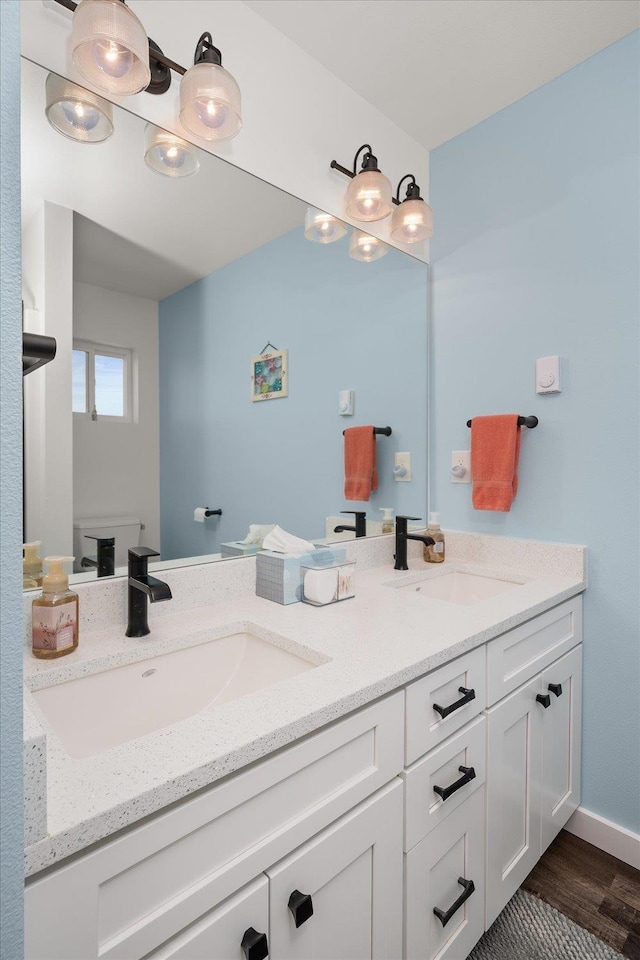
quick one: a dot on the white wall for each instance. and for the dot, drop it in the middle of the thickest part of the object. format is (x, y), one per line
(297, 115)
(116, 466)
(47, 290)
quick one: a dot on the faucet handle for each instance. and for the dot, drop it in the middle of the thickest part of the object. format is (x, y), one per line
(142, 553)
(356, 513)
(407, 518)
(102, 541)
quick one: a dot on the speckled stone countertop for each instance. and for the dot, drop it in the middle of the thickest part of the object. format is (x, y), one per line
(364, 648)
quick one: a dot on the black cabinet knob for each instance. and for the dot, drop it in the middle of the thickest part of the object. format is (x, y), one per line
(555, 688)
(544, 699)
(301, 906)
(254, 945)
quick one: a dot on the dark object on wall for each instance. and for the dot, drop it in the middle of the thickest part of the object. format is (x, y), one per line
(530, 422)
(36, 351)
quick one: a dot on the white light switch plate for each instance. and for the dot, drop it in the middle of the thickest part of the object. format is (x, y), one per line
(402, 470)
(461, 459)
(548, 375)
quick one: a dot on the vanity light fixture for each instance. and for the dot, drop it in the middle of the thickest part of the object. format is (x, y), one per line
(321, 227)
(412, 219)
(77, 113)
(168, 154)
(368, 195)
(109, 47)
(209, 96)
(366, 248)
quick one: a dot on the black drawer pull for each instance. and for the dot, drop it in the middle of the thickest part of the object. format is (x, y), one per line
(469, 774)
(443, 916)
(468, 696)
(555, 688)
(544, 699)
(301, 906)
(254, 945)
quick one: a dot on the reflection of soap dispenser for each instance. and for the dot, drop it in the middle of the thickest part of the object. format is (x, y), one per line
(55, 613)
(387, 519)
(31, 566)
(434, 553)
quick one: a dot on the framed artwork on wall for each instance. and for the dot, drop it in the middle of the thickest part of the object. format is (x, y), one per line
(270, 375)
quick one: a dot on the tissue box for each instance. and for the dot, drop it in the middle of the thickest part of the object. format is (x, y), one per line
(237, 549)
(279, 577)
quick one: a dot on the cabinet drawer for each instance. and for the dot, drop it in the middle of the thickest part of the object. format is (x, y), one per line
(135, 892)
(519, 654)
(219, 935)
(425, 725)
(453, 852)
(425, 807)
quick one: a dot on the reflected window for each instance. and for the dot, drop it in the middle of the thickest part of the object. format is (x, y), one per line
(101, 382)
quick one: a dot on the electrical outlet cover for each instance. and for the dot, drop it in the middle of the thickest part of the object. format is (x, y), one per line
(461, 459)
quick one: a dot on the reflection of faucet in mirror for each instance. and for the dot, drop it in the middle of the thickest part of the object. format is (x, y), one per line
(105, 559)
(141, 586)
(402, 536)
(360, 528)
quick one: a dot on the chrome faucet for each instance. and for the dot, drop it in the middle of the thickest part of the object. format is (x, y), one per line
(360, 527)
(141, 587)
(402, 536)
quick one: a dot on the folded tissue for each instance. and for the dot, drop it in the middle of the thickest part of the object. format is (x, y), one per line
(279, 563)
(279, 541)
(257, 532)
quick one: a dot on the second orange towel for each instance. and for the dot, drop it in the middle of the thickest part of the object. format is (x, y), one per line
(360, 474)
(495, 451)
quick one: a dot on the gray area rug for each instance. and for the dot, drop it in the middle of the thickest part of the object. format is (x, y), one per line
(529, 929)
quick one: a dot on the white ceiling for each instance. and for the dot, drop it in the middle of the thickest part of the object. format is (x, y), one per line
(438, 67)
(138, 231)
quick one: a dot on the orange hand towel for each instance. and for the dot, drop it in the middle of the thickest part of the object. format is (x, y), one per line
(495, 451)
(360, 475)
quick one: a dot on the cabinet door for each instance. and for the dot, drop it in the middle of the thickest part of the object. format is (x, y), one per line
(445, 872)
(514, 767)
(561, 743)
(347, 884)
(220, 935)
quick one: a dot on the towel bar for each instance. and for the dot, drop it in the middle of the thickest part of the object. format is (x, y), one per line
(379, 431)
(530, 422)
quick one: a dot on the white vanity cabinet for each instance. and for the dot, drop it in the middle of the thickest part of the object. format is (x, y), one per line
(400, 831)
(533, 755)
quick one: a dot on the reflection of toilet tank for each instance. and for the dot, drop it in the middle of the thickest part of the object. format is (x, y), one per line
(126, 531)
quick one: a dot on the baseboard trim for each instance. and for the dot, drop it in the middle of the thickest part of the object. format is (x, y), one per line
(607, 836)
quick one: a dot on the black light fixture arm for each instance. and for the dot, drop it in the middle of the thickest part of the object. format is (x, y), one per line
(206, 52)
(413, 190)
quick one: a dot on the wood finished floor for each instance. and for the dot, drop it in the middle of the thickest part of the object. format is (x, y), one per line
(592, 888)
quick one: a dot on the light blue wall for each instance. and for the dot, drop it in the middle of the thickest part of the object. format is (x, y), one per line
(347, 325)
(11, 834)
(535, 254)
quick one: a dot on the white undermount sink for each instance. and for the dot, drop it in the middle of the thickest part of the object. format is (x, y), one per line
(103, 710)
(457, 587)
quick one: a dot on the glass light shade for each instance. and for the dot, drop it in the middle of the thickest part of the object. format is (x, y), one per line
(368, 196)
(168, 154)
(322, 227)
(110, 47)
(365, 248)
(412, 222)
(77, 113)
(210, 102)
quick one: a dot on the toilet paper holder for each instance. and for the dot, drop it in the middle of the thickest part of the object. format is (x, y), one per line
(200, 514)
(212, 513)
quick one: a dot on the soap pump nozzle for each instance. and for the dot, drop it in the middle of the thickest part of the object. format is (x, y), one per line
(55, 579)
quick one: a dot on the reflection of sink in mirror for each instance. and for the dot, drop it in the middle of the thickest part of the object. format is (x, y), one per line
(456, 587)
(103, 710)
(156, 332)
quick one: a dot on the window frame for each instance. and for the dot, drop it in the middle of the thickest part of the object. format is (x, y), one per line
(104, 350)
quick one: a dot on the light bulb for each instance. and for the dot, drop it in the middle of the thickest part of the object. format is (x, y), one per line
(77, 113)
(168, 154)
(368, 196)
(412, 221)
(365, 248)
(321, 227)
(212, 113)
(112, 58)
(80, 116)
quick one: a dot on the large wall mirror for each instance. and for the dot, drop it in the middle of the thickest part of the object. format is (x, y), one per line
(160, 290)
